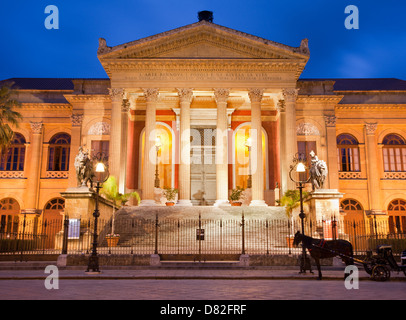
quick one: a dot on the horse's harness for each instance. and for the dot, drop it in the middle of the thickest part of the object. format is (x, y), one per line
(321, 245)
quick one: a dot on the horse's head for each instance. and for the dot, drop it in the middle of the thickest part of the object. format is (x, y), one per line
(297, 239)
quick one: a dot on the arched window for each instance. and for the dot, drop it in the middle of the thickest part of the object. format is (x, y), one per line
(348, 153)
(13, 157)
(397, 216)
(53, 208)
(9, 210)
(394, 153)
(58, 152)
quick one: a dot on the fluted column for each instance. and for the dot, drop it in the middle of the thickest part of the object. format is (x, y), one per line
(372, 167)
(34, 168)
(257, 167)
(115, 133)
(283, 162)
(221, 96)
(331, 138)
(125, 108)
(76, 137)
(185, 98)
(290, 147)
(151, 96)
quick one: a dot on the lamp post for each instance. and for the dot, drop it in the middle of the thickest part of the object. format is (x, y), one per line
(299, 167)
(101, 175)
(158, 145)
(248, 144)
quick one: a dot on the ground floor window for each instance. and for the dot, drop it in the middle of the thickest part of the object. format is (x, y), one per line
(397, 216)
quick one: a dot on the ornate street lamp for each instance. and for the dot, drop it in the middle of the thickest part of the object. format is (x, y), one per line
(248, 144)
(300, 168)
(101, 174)
(158, 145)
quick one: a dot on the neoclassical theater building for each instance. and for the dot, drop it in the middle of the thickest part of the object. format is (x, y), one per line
(207, 109)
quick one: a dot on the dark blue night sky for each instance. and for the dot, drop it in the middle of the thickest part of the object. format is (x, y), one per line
(376, 50)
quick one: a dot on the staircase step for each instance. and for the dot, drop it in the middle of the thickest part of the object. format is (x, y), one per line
(200, 265)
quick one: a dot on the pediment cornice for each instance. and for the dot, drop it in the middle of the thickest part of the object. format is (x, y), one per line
(232, 43)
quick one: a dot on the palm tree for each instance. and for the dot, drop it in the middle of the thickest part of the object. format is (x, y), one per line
(110, 191)
(291, 200)
(8, 116)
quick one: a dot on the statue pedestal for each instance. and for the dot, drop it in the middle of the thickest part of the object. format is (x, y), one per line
(324, 209)
(79, 202)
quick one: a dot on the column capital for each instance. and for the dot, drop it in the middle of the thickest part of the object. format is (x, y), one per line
(36, 127)
(116, 94)
(290, 95)
(370, 128)
(330, 120)
(76, 119)
(125, 106)
(280, 106)
(221, 94)
(256, 94)
(151, 94)
(185, 94)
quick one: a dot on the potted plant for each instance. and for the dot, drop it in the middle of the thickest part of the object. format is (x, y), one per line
(110, 191)
(170, 195)
(291, 200)
(235, 197)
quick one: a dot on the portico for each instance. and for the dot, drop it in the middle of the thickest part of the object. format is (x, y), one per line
(204, 88)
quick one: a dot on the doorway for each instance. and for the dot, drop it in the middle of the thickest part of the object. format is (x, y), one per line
(203, 165)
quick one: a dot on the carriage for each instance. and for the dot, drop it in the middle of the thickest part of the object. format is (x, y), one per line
(378, 266)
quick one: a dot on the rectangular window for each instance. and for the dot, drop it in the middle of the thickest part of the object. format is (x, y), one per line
(100, 147)
(304, 148)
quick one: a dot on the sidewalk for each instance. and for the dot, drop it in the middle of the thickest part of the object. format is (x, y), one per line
(36, 271)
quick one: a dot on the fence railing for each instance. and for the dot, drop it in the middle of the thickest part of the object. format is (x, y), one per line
(241, 235)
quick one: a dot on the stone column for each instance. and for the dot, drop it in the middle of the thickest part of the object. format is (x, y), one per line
(221, 96)
(151, 96)
(76, 139)
(332, 152)
(125, 109)
(290, 147)
(257, 167)
(33, 176)
(185, 97)
(115, 133)
(283, 163)
(372, 167)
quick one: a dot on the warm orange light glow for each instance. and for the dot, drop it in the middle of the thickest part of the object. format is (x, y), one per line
(300, 167)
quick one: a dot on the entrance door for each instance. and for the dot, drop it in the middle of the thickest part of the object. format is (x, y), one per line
(203, 166)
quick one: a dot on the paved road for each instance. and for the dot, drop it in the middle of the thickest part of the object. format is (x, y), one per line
(135, 289)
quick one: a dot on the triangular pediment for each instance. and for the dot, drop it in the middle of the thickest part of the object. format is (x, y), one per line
(202, 40)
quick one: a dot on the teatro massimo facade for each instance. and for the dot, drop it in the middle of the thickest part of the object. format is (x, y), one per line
(206, 109)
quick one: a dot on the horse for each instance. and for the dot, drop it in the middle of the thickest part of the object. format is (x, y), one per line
(322, 249)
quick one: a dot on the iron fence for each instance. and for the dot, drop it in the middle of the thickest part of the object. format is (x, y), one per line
(241, 235)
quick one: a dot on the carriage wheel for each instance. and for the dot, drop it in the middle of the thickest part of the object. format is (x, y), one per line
(380, 273)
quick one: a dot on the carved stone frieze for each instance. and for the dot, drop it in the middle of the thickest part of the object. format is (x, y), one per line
(99, 129)
(307, 129)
